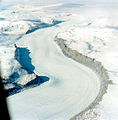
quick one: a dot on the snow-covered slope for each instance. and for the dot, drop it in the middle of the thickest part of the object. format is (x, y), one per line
(97, 38)
(88, 28)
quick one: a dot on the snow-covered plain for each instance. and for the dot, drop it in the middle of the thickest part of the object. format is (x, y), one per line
(88, 28)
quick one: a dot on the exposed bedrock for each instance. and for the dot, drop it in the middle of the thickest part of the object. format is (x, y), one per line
(96, 66)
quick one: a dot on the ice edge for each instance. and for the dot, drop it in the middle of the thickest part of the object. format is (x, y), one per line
(96, 66)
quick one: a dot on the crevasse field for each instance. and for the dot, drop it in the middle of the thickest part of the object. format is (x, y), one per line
(44, 84)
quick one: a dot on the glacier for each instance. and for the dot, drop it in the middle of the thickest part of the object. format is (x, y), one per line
(69, 87)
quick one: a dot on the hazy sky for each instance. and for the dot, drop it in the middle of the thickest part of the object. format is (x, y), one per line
(50, 1)
(7, 2)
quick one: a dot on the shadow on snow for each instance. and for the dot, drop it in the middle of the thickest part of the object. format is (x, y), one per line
(22, 55)
(40, 25)
(36, 82)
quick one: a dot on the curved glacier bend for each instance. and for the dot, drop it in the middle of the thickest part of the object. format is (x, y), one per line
(96, 66)
(62, 101)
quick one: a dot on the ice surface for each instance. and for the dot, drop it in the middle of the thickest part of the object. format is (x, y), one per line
(58, 96)
(90, 28)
